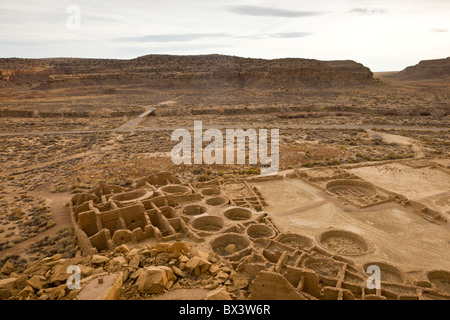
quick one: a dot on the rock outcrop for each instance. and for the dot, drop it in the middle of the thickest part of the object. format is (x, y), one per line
(183, 72)
(138, 273)
(438, 69)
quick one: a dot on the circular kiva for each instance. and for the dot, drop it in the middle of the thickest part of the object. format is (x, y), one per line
(210, 192)
(354, 188)
(388, 272)
(132, 196)
(261, 243)
(176, 189)
(208, 223)
(257, 231)
(440, 279)
(296, 241)
(216, 201)
(230, 244)
(234, 186)
(193, 210)
(238, 214)
(324, 267)
(343, 242)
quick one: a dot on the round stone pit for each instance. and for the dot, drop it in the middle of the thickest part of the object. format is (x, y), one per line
(440, 279)
(217, 201)
(193, 210)
(343, 242)
(238, 214)
(233, 246)
(176, 189)
(128, 197)
(353, 188)
(258, 231)
(324, 267)
(210, 191)
(388, 272)
(208, 224)
(296, 241)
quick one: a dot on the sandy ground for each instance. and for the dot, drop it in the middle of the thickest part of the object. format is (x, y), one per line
(414, 183)
(444, 162)
(393, 233)
(393, 138)
(61, 217)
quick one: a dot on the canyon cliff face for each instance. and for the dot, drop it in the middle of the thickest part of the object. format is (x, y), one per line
(438, 69)
(184, 72)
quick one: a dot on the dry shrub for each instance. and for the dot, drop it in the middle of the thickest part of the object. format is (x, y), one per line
(284, 110)
(100, 113)
(173, 112)
(390, 112)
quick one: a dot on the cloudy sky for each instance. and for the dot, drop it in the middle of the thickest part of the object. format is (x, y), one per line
(383, 35)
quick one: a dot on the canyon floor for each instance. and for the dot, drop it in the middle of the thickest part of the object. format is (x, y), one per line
(393, 134)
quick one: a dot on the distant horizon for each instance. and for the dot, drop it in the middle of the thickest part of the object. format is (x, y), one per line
(213, 54)
(380, 34)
